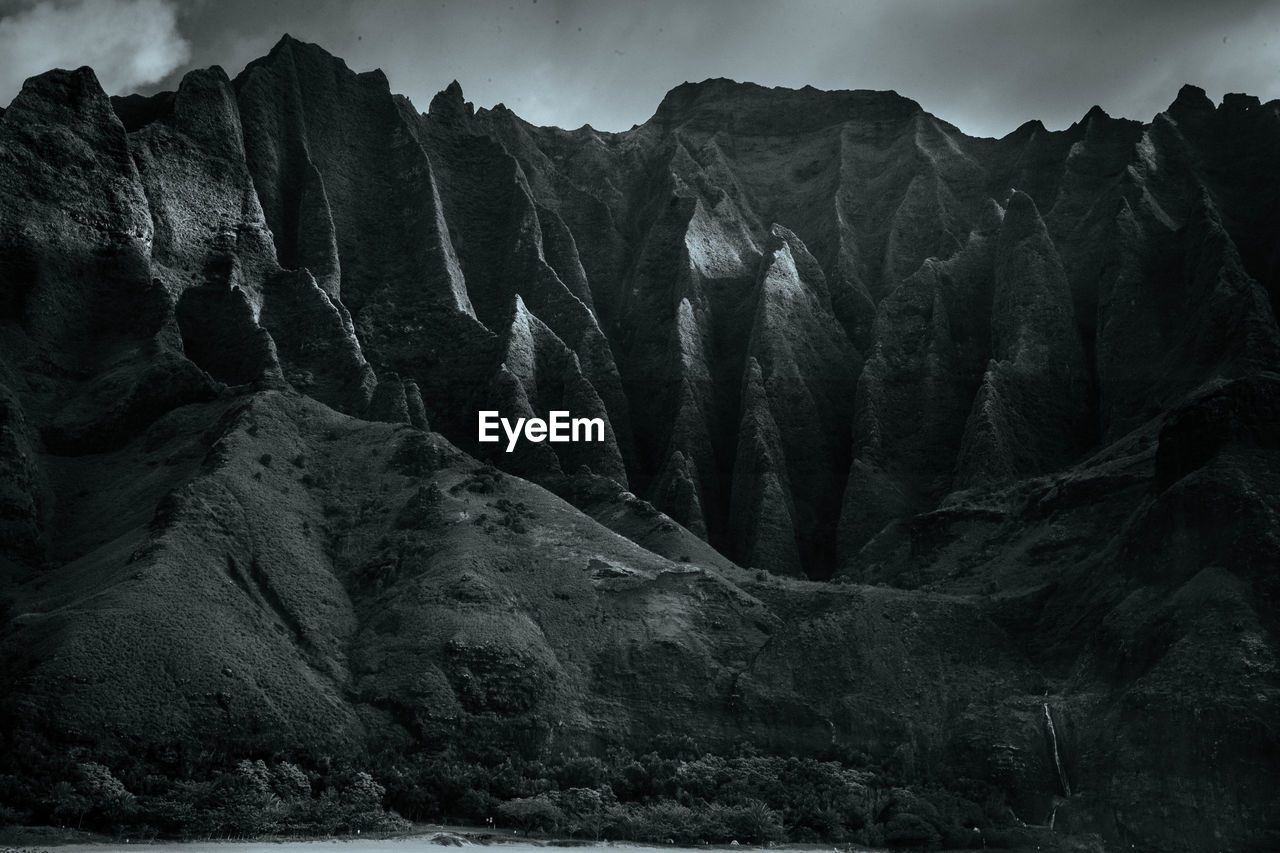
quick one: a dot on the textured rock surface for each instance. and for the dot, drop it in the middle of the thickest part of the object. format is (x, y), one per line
(1030, 414)
(1017, 396)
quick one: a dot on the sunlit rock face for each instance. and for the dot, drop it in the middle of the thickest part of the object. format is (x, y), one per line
(1016, 398)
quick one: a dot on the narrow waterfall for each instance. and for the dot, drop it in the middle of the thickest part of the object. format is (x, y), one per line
(1057, 759)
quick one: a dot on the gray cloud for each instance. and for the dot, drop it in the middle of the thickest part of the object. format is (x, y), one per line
(129, 43)
(984, 65)
(995, 63)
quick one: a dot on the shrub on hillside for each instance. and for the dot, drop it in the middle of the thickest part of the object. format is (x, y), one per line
(585, 810)
(289, 783)
(533, 814)
(580, 771)
(96, 798)
(660, 821)
(355, 805)
(67, 806)
(752, 821)
(906, 831)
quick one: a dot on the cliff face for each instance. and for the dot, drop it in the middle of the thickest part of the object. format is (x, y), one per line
(1018, 396)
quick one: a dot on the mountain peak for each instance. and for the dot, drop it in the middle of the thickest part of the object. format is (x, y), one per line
(1191, 99)
(720, 103)
(1240, 102)
(1096, 112)
(65, 87)
(449, 104)
(286, 42)
(290, 42)
(73, 97)
(1021, 218)
(292, 49)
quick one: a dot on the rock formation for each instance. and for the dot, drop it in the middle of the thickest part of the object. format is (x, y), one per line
(1016, 398)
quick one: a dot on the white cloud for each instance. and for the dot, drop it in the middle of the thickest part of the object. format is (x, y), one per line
(128, 43)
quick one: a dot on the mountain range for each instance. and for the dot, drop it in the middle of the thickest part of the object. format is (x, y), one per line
(919, 447)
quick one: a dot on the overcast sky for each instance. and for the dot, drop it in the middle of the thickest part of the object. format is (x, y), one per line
(984, 65)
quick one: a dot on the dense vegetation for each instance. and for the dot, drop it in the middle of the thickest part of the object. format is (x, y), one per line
(675, 794)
